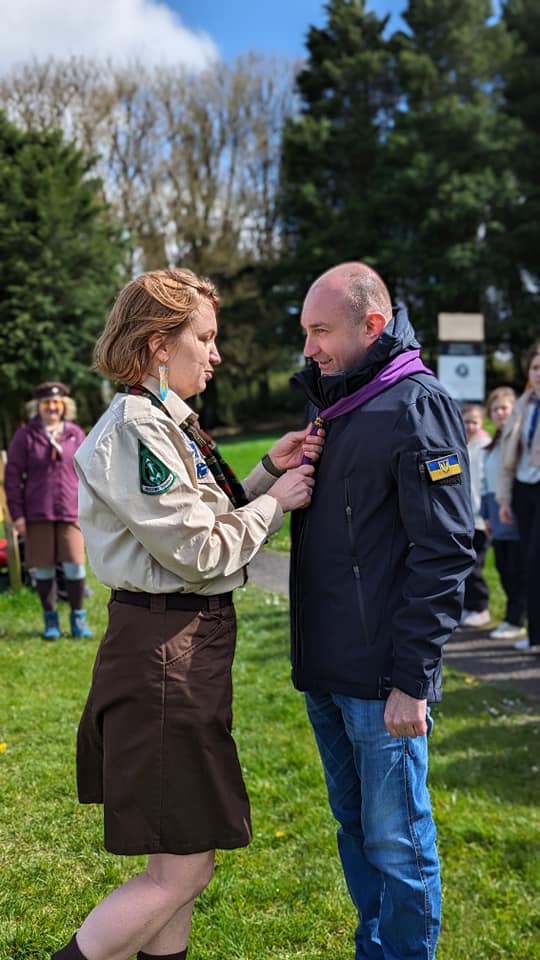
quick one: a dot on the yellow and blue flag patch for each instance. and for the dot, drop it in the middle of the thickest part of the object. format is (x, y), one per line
(442, 468)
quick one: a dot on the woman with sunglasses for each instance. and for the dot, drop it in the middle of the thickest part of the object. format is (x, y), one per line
(41, 489)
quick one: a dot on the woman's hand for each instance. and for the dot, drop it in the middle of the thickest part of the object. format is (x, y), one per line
(505, 513)
(20, 526)
(288, 451)
(294, 489)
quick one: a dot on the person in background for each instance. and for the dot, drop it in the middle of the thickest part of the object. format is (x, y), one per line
(518, 490)
(475, 604)
(504, 536)
(378, 562)
(171, 530)
(41, 490)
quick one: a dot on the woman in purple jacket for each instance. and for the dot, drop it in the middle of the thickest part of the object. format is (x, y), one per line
(41, 490)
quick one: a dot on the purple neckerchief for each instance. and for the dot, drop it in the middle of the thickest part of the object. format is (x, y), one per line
(400, 367)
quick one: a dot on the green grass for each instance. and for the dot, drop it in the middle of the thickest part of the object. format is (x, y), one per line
(242, 456)
(284, 897)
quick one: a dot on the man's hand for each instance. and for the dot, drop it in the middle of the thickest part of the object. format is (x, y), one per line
(288, 451)
(404, 716)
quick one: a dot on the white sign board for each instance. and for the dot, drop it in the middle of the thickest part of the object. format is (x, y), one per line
(463, 376)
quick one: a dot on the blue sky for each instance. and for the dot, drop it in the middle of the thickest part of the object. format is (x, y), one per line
(190, 32)
(278, 26)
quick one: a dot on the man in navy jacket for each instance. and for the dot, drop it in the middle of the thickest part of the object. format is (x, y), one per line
(377, 569)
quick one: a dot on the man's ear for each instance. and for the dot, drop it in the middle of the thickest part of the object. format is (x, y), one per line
(375, 324)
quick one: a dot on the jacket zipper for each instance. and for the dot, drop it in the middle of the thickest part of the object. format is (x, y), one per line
(297, 640)
(355, 567)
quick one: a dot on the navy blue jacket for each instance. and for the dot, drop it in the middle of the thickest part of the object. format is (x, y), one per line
(379, 558)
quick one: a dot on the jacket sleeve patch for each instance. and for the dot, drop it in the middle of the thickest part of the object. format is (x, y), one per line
(445, 468)
(154, 476)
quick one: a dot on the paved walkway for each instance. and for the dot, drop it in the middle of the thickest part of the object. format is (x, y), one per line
(471, 651)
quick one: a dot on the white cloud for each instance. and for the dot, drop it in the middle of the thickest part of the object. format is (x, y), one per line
(116, 29)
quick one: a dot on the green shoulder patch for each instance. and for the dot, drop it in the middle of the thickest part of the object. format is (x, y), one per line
(154, 476)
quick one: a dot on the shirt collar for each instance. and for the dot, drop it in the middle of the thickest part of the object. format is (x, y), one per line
(175, 406)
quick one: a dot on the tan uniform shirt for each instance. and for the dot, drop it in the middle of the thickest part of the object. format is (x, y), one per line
(152, 514)
(510, 445)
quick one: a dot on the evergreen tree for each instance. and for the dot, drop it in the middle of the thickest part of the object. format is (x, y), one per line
(520, 242)
(447, 181)
(60, 254)
(331, 150)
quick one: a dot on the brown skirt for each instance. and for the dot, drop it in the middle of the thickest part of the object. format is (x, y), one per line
(154, 742)
(50, 542)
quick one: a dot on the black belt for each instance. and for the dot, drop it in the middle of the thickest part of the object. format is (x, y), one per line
(172, 601)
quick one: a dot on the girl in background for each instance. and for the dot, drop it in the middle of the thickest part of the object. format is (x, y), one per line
(504, 536)
(475, 606)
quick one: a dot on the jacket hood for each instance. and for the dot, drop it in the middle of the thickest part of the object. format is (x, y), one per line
(397, 337)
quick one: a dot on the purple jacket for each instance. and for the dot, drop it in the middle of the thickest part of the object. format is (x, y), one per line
(38, 487)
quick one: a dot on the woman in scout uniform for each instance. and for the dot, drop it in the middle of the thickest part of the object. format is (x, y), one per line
(170, 530)
(41, 489)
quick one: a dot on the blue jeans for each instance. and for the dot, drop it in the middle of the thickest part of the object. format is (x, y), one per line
(386, 838)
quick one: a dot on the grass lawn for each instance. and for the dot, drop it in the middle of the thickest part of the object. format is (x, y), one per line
(283, 897)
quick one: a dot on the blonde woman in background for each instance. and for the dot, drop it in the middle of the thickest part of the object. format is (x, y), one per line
(41, 489)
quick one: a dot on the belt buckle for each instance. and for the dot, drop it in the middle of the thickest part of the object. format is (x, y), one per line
(214, 603)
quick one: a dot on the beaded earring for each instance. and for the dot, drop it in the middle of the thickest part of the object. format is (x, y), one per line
(163, 370)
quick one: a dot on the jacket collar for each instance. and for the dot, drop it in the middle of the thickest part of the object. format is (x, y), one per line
(323, 391)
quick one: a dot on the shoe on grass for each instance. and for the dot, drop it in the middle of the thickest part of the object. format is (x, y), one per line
(507, 631)
(79, 625)
(476, 618)
(52, 625)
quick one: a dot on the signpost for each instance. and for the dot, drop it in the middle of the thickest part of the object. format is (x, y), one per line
(461, 365)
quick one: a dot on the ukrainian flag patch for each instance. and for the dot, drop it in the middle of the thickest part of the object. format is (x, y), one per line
(443, 467)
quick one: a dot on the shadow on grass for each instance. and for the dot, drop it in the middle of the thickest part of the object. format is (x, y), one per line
(495, 751)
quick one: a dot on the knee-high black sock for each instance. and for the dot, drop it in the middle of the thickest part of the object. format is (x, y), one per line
(168, 956)
(47, 593)
(75, 593)
(71, 952)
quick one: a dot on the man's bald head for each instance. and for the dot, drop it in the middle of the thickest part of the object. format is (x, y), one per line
(360, 286)
(344, 313)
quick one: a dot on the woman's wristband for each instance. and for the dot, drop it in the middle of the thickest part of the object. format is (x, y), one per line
(270, 466)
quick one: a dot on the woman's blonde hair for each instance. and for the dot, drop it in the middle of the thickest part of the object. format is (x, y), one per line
(159, 301)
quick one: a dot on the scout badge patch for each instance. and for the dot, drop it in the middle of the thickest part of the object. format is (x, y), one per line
(442, 468)
(154, 476)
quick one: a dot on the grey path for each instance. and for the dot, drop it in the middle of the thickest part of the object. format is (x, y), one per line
(469, 650)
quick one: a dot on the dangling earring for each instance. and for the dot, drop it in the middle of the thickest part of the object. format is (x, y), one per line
(163, 380)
